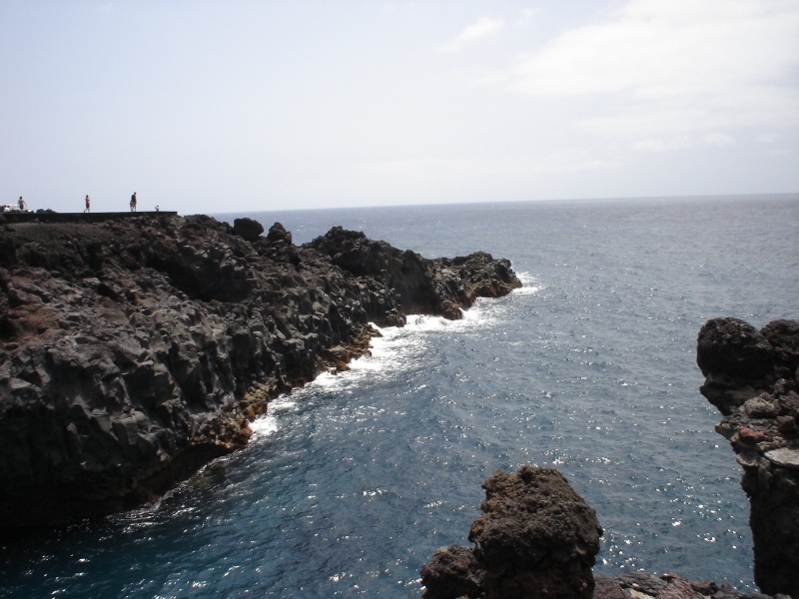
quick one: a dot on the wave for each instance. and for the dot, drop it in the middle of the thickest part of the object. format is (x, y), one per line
(530, 284)
(394, 351)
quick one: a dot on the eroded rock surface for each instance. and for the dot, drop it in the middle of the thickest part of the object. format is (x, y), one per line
(133, 351)
(751, 377)
(536, 538)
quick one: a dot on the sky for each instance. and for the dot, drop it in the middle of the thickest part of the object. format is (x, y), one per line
(254, 105)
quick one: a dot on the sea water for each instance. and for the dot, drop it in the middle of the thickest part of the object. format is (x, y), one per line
(351, 483)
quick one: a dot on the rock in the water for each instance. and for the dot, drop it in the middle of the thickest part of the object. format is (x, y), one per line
(751, 376)
(537, 538)
(452, 572)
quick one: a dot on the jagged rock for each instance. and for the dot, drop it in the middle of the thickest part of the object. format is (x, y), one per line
(278, 233)
(751, 376)
(133, 351)
(536, 538)
(441, 286)
(783, 336)
(734, 347)
(641, 585)
(452, 572)
(734, 357)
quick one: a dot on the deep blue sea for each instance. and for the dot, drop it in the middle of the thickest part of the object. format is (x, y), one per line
(351, 483)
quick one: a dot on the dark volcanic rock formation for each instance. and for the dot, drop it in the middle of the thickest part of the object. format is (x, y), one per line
(132, 351)
(751, 377)
(640, 585)
(536, 538)
(441, 286)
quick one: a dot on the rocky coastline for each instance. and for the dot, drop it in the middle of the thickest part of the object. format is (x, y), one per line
(135, 350)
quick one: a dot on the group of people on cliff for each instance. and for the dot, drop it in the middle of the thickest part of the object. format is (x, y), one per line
(133, 203)
(22, 206)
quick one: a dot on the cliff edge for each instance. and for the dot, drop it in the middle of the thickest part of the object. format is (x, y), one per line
(751, 377)
(133, 351)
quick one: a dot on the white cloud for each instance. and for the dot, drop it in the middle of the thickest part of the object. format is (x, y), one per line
(682, 142)
(718, 139)
(528, 14)
(480, 29)
(663, 145)
(769, 137)
(681, 65)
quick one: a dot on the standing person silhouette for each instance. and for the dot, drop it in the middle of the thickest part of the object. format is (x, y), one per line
(88, 204)
(133, 202)
(22, 204)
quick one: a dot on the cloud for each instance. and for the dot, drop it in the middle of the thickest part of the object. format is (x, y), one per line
(528, 14)
(655, 66)
(480, 29)
(681, 142)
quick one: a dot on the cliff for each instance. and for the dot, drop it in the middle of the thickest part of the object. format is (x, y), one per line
(135, 350)
(751, 377)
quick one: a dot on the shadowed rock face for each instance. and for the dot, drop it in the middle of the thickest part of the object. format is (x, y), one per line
(133, 351)
(536, 538)
(751, 377)
(441, 286)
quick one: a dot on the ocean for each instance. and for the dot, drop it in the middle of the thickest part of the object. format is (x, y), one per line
(352, 482)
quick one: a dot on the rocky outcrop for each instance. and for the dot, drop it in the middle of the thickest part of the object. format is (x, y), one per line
(134, 350)
(641, 585)
(751, 377)
(536, 538)
(441, 286)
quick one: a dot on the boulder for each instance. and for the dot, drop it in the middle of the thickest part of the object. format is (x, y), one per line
(536, 538)
(247, 228)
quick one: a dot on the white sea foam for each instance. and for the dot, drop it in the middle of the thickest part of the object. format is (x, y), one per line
(530, 284)
(395, 350)
(282, 404)
(264, 426)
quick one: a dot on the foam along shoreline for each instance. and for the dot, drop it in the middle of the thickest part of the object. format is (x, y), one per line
(136, 350)
(392, 350)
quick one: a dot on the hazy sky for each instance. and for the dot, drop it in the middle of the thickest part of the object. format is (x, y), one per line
(241, 105)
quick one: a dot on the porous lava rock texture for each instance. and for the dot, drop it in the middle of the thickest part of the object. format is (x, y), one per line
(537, 538)
(642, 585)
(751, 377)
(134, 350)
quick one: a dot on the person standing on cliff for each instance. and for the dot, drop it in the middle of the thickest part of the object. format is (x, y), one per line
(88, 204)
(22, 205)
(133, 202)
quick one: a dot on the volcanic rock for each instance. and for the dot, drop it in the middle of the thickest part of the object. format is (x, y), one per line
(134, 350)
(751, 377)
(247, 228)
(537, 538)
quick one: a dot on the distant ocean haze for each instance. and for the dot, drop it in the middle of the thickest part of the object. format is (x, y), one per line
(351, 483)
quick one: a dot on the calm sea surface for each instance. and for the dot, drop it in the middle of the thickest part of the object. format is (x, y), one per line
(351, 483)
